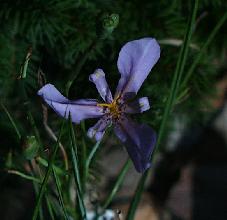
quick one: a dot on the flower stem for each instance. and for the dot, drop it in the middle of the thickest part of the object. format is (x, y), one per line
(117, 184)
(202, 51)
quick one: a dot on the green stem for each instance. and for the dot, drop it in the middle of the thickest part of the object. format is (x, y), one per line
(137, 197)
(50, 209)
(170, 102)
(78, 185)
(117, 184)
(57, 181)
(12, 121)
(83, 157)
(44, 183)
(91, 155)
(76, 172)
(25, 176)
(203, 49)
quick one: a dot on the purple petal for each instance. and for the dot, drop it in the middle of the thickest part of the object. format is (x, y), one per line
(98, 130)
(138, 106)
(98, 78)
(139, 141)
(135, 61)
(79, 109)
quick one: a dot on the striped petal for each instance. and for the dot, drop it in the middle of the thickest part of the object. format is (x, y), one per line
(78, 110)
(135, 61)
(98, 78)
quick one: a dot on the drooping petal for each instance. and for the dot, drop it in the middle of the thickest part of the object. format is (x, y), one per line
(139, 141)
(78, 110)
(138, 106)
(98, 130)
(135, 61)
(98, 78)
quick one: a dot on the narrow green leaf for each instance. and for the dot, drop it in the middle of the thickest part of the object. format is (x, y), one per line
(203, 49)
(12, 121)
(45, 180)
(91, 155)
(74, 154)
(78, 185)
(49, 206)
(24, 68)
(136, 199)
(76, 171)
(23, 175)
(57, 181)
(117, 184)
(34, 127)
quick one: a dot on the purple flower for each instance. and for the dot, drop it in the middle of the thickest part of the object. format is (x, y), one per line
(135, 61)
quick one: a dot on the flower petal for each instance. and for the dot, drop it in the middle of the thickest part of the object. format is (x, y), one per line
(79, 109)
(98, 78)
(138, 106)
(139, 141)
(98, 130)
(135, 61)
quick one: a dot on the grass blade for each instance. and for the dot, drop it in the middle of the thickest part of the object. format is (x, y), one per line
(50, 209)
(44, 183)
(91, 155)
(11, 121)
(76, 172)
(117, 184)
(203, 49)
(57, 181)
(25, 176)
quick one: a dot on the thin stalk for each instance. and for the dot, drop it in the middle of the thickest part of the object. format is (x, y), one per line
(35, 130)
(24, 68)
(76, 171)
(83, 166)
(74, 154)
(117, 184)
(170, 102)
(137, 197)
(78, 185)
(49, 208)
(11, 121)
(83, 157)
(91, 155)
(36, 189)
(61, 201)
(203, 49)
(45, 180)
(23, 175)
(178, 73)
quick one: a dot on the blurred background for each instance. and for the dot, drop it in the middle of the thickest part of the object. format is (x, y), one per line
(65, 41)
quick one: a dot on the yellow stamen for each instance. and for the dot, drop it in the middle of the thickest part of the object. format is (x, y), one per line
(104, 105)
(113, 107)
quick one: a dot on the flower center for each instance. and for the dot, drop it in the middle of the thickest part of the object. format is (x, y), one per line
(113, 107)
